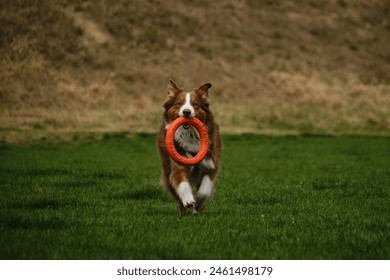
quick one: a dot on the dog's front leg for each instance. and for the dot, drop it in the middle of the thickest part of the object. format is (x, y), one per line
(205, 191)
(179, 181)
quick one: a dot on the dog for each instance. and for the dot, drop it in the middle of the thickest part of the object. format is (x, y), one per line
(179, 179)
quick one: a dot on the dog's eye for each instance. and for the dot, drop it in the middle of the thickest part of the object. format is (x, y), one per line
(179, 103)
(195, 104)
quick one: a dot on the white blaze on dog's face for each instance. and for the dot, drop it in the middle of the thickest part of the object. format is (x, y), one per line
(187, 110)
(186, 104)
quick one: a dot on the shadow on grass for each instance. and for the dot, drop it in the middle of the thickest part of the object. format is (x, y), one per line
(257, 199)
(330, 184)
(42, 203)
(36, 172)
(140, 194)
(104, 175)
(75, 183)
(35, 223)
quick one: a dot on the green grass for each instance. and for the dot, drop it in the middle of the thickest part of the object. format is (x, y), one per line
(277, 198)
(148, 37)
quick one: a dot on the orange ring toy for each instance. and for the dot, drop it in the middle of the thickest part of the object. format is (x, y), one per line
(170, 141)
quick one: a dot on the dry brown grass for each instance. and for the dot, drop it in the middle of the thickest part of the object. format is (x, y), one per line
(276, 66)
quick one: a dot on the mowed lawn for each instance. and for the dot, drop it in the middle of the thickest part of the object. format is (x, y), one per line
(276, 198)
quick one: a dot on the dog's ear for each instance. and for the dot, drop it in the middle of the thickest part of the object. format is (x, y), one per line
(204, 89)
(172, 88)
(172, 91)
(203, 94)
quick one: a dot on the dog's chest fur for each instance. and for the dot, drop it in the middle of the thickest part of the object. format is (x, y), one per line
(188, 139)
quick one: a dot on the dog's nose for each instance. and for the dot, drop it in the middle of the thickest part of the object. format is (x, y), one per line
(186, 113)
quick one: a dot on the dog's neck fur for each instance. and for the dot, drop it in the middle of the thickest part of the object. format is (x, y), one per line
(188, 139)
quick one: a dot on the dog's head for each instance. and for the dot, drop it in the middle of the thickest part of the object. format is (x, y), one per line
(180, 103)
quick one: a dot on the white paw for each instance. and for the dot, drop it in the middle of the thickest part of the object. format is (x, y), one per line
(189, 202)
(185, 193)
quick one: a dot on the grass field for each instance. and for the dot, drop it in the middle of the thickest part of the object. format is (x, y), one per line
(277, 198)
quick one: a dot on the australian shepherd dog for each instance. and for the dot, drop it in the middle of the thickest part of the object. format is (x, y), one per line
(181, 179)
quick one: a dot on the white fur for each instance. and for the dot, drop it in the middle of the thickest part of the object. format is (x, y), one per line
(208, 163)
(189, 155)
(205, 191)
(188, 139)
(167, 126)
(185, 194)
(187, 105)
(206, 188)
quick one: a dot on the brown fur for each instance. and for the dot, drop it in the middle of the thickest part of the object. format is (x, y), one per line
(173, 173)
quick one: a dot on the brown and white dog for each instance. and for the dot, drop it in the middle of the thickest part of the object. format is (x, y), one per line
(179, 179)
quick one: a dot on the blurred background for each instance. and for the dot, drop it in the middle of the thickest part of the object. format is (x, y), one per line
(277, 67)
